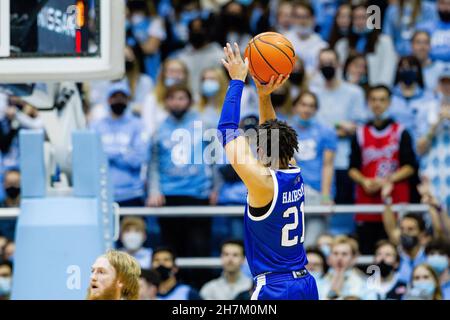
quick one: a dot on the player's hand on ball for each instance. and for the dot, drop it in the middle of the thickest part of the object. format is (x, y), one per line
(236, 67)
(274, 84)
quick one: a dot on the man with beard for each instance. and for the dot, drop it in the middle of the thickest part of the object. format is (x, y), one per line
(114, 276)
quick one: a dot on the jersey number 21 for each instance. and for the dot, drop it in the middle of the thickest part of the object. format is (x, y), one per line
(285, 240)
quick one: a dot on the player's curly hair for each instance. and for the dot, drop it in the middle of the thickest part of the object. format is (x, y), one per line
(286, 141)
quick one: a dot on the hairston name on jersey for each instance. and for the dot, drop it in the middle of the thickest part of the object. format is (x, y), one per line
(293, 196)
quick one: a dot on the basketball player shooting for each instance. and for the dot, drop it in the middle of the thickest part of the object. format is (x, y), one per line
(274, 215)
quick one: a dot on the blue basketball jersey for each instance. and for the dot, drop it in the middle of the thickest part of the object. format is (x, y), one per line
(274, 241)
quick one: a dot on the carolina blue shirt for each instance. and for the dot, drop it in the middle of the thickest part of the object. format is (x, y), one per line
(179, 149)
(406, 110)
(440, 39)
(127, 148)
(343, 103)
(314, 140)
(274, 241)
(407, 264)
(401, 29)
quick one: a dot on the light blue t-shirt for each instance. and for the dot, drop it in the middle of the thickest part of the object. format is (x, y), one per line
(406, 110)
(407, 265)
(127, 148)
(179, 149)
(344, 103)
(313, 140)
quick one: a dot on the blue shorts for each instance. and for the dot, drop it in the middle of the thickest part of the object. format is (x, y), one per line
(285, 286)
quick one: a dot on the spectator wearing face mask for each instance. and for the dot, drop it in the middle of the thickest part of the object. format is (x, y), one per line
(307, 44)
(402, 18)
(201, 53)
(342, 108)
(133, 236)
(439, 29)
(421, 47)
(173, 72)
(126, 146)
(176, 179)
(6, 269)
(343, 280)
(387, 259)
(317, 145)
(433, 123)
(424, 284)
(146, 31)
(11, 186)
(233, 25)
(163, 262)
(378, 48)
(139, 83)
(232, 281)
(177, 16)
(409, 235)
(213, 88)
(356, 72)
(409, 95)
(149, 282)
(438, 255)
(382, 160)
(341, 25)
(317, 263)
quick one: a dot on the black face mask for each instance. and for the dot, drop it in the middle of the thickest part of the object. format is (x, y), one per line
(328, 72)
(385, 269)
(197, 39)
(234, 22)
(118, 108)
(296, 78)
(408, 77)
(444, 16)
(408, 242)
(278, 99)
(164, 272)
(178, 114)
(12, 192)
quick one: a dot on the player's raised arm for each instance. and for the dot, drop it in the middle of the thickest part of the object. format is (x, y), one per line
(266, 110)
(255, 176)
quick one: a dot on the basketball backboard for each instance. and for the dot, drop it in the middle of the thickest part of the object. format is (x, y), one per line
(61, 40)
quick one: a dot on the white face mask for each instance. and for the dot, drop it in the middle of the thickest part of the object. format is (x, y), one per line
(132, 240)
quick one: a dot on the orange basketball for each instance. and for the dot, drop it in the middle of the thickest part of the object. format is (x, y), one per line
(270, 54)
